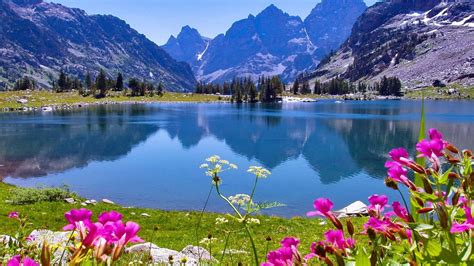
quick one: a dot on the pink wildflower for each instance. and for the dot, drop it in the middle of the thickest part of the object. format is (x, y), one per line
(377, 203)
(111, 216)
(13, 215)
(286, 255)
(322, 206)
(17, 261)
(336, 239)
(467, 225)
(400, 211)
(77, 217)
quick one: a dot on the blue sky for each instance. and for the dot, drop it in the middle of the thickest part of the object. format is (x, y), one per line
(158, 19)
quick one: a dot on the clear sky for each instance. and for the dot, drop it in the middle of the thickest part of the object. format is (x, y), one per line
(158, 19)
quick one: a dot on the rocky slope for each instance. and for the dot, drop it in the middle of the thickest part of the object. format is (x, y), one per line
(40, 38)
(271, 43)
(417, 41)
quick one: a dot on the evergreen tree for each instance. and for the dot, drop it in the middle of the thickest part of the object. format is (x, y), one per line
(119, 82)
(160, 89)
(62, 82)
(296, 87)
(318, 88)
(306, 88)
(101, 83)
(134, 86)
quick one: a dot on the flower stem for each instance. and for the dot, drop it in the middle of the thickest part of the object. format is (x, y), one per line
(200, 218)
(225, 246)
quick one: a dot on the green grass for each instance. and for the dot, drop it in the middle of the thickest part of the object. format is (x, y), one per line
(176, 229)
(441, 93)
(8, 99)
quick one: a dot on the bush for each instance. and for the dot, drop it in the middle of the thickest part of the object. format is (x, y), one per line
(23, 196)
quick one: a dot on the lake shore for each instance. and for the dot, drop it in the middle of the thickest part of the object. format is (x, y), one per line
(170, 229)
(27, 101)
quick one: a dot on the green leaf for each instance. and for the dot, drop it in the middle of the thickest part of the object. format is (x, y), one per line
(448, 256)
(444, 178)
(421, 227)
(420, 161)
(426, 196)
(362, 258)
(433, 248)
(467, 252)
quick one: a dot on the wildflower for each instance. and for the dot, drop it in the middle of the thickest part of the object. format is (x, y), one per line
(13, 215)
(204, 165)
(377, 203)
(323, 207)
(240, 199)
(434, 147)
(221, 220)
(111, 216)
(399, 155)
(467, 225)
(399, 174)
(76, 217)
(259, 171)
(17, 261)
(208, 241)
(384, 226)
(400, 211)
(287, 254)
(213, 159)
(253, 221)
(336, 239)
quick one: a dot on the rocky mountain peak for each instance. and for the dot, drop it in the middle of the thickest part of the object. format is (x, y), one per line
(27, 2)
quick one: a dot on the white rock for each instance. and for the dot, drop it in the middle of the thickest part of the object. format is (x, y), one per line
(6, 240)
(161, 255)
(70, 200)
(22, 101)
(357, 208)
(108, 201)
(197, 253)
(145, 215)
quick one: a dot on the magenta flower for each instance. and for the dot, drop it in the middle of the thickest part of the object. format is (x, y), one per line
(290, 242)
(111, 216)
(399, 174)
(377, 203)
(467, 225)
(399, 155)
(127, 233)
(400, 211)
(384, 226)
(285, 255)
(336, 239)
(322, 206)
(432, 148)
(76, 217)
(13, 215)
(17, 261)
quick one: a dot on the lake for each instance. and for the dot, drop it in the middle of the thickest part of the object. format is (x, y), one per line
(148, 155)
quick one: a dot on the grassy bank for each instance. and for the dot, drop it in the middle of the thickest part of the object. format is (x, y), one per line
(175, 229)
(35, 99)
(442, 93)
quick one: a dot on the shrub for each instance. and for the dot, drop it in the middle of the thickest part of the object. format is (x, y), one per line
(23, 196)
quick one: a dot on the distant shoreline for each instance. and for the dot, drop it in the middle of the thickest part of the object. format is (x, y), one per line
(33, 101)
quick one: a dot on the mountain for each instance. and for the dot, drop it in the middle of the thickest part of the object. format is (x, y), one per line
(40, 39)
(330, 23)
(271, 43)
(419, 41)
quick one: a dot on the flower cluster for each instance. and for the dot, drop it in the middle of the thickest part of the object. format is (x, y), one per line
(106, 238)
(436, 228)
(287, 254)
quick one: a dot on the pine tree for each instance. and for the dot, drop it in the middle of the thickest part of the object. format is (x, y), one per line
(119, 82)
(101, 83)
(62, 82)
(306, 88)
(296, 87)
(160, 89)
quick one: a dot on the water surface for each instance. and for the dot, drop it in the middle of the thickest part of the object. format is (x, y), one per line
(149, 155)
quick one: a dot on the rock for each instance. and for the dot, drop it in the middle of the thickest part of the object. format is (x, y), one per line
(59, 239)
(357, 208)
(162, 255)
(22, 101)
(46, 108)
(108, 201)
(197, 253)
(145, 215)
(70, 200)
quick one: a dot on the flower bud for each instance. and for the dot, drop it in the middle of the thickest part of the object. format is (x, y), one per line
(336, 222)
(391, 183)
(426, 185)
(455, 198)
(269, 238)
(453, 160)
(350, 227)
(453, 176)
(417, 168)
(419, 201)
(443, 218)
(373, 258)
(424, 210)
(452, 148)
(371, 233)
(339, 259)
(467, 153)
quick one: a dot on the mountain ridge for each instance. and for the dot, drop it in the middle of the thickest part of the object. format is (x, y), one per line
(40, 39)
(270, 43)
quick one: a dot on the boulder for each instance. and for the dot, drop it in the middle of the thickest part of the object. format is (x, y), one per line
(6, 240)
(108, 201)
(190, 255)
(357, 208)
(22, 101)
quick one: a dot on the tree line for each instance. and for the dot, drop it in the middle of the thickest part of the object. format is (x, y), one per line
(95, 86)
(387, 86)
(266, 89)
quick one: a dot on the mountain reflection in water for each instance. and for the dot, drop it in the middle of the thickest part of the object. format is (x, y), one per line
(312, 149)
